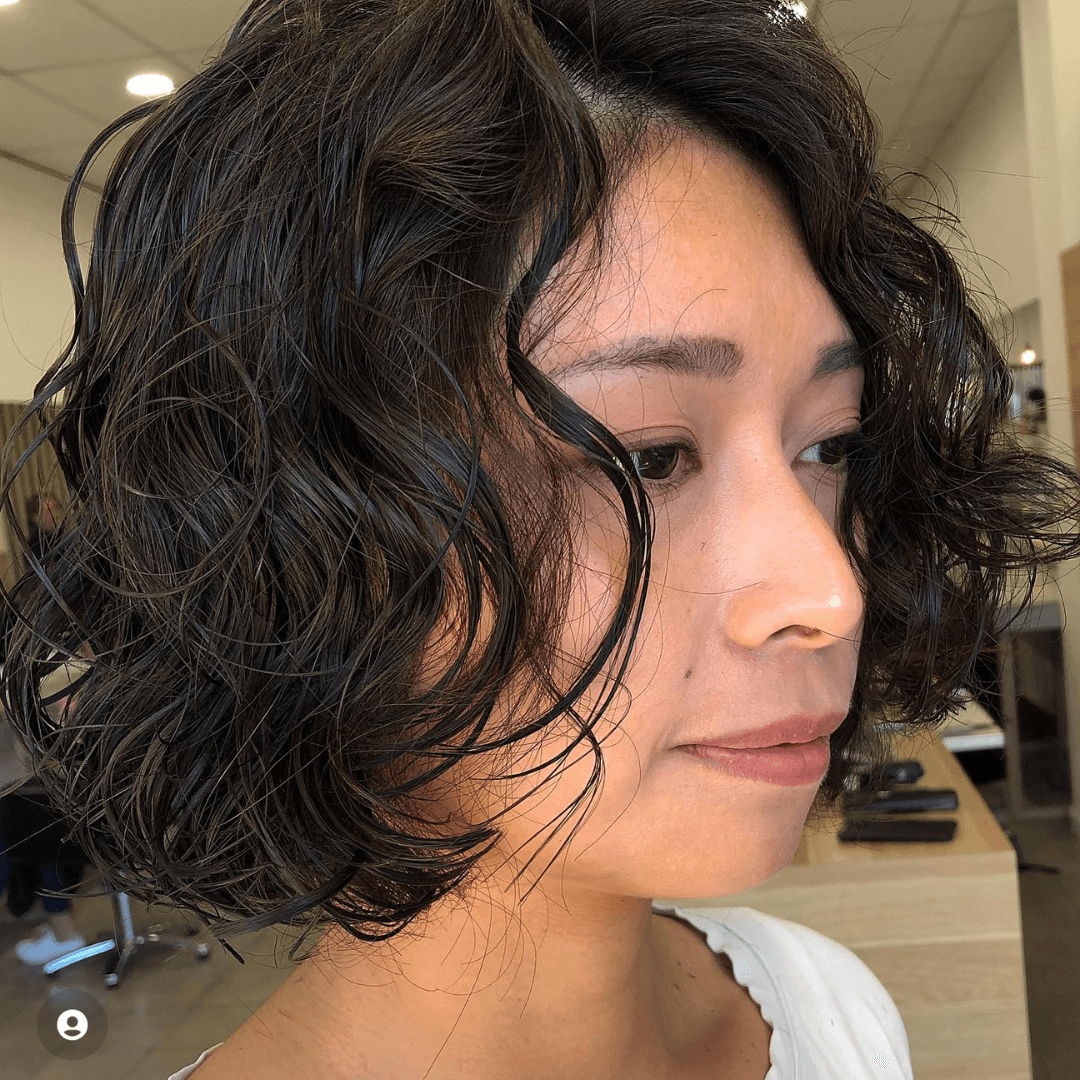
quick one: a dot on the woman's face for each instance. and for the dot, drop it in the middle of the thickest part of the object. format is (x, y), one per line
(753, 613)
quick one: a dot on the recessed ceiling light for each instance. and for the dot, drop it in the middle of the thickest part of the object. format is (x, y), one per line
(783, 10)
(8, 3)
(150, 85)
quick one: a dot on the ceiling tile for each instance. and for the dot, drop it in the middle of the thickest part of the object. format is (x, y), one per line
(175, 24)
(900, 159)
(29, 119)
(899, 55)
(991, 7)
(193, 59)
(940, 97)
(66, 158)
(924, 139)
(843, 20)
(50, 33)
(100, 89)
(888, 103)
(973, 43)
(888, 44)
(913, 148)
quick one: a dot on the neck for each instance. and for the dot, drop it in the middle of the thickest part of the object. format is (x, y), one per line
(569, 988)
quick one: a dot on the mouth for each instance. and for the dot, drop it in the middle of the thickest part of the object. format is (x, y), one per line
(802, 730)
(793, 752)
(782, 764)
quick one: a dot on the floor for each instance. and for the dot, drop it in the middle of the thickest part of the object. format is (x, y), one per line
(171, 1006)
(168, 1008)
(1050, 911)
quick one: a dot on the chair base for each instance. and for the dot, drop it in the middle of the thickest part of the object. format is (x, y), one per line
(123, 944)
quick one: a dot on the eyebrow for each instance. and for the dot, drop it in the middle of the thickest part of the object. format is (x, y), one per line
(703, 357)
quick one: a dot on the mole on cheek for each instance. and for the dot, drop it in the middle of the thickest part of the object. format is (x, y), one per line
(689, 672)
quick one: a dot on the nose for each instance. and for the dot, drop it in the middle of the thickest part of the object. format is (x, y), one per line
(787, 577)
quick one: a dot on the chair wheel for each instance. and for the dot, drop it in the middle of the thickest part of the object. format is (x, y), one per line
(202, 951)
(112, 980)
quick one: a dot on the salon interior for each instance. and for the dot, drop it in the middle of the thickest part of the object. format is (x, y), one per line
(977, 936)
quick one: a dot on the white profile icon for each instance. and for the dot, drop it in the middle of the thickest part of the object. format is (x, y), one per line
(72, 1024)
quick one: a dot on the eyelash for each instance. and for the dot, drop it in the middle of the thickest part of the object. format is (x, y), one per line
(842, 446)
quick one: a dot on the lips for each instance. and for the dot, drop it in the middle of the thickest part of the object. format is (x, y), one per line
(795, 730)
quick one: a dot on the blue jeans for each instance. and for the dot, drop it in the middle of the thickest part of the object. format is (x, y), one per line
(50, 879)
(37, 854)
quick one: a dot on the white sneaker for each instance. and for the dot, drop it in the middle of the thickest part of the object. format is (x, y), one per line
(44, 946)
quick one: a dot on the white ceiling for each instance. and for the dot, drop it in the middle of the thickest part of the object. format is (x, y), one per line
(64, 64)
(919, 62)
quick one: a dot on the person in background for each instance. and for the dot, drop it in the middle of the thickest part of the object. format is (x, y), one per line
(1035, 409)
(40, 858)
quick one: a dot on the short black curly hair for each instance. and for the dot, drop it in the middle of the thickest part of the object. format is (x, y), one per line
(291, 443)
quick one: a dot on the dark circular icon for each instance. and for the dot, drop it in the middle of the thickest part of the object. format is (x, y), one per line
(72, 1024)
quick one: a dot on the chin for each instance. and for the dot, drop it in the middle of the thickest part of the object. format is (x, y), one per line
(708, 872)
(745, 877)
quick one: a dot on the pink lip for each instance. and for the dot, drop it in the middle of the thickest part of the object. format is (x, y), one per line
(797, 765)
(793, 730)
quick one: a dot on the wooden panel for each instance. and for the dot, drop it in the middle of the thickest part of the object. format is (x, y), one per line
(1070, 289)
(897, 911)
(976, 972)
(976, 1041)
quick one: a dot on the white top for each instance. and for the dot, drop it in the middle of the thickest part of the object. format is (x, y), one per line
(830, 1015)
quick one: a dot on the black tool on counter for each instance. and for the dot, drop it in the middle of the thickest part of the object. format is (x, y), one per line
(911, 830)
(902, 801)
(906, 771)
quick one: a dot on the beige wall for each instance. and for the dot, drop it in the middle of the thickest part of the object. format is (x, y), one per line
(36, 303)
(985, 155)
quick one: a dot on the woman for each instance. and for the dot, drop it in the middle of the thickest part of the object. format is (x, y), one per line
(480, 415)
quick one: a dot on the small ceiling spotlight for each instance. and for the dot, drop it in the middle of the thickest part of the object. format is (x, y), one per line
(782, 11)
(8, 3)
(150, 85)
(1029, 356)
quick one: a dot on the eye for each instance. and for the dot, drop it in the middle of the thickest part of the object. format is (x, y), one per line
(657, 465)
(834, 452)
(660, 460)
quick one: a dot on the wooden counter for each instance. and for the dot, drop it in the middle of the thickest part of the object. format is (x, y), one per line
(939, 924)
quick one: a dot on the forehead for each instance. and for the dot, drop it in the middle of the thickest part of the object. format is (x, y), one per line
(700, 243)
(688, 181)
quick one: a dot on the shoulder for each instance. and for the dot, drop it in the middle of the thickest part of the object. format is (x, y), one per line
(834, 1008)
(183, 1074)
(800, 953)
(782, 937)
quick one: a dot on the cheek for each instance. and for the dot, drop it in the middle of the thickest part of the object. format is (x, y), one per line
(824, 487)
(599, 574)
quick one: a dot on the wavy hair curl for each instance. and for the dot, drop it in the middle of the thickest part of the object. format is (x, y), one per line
(290, 428)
